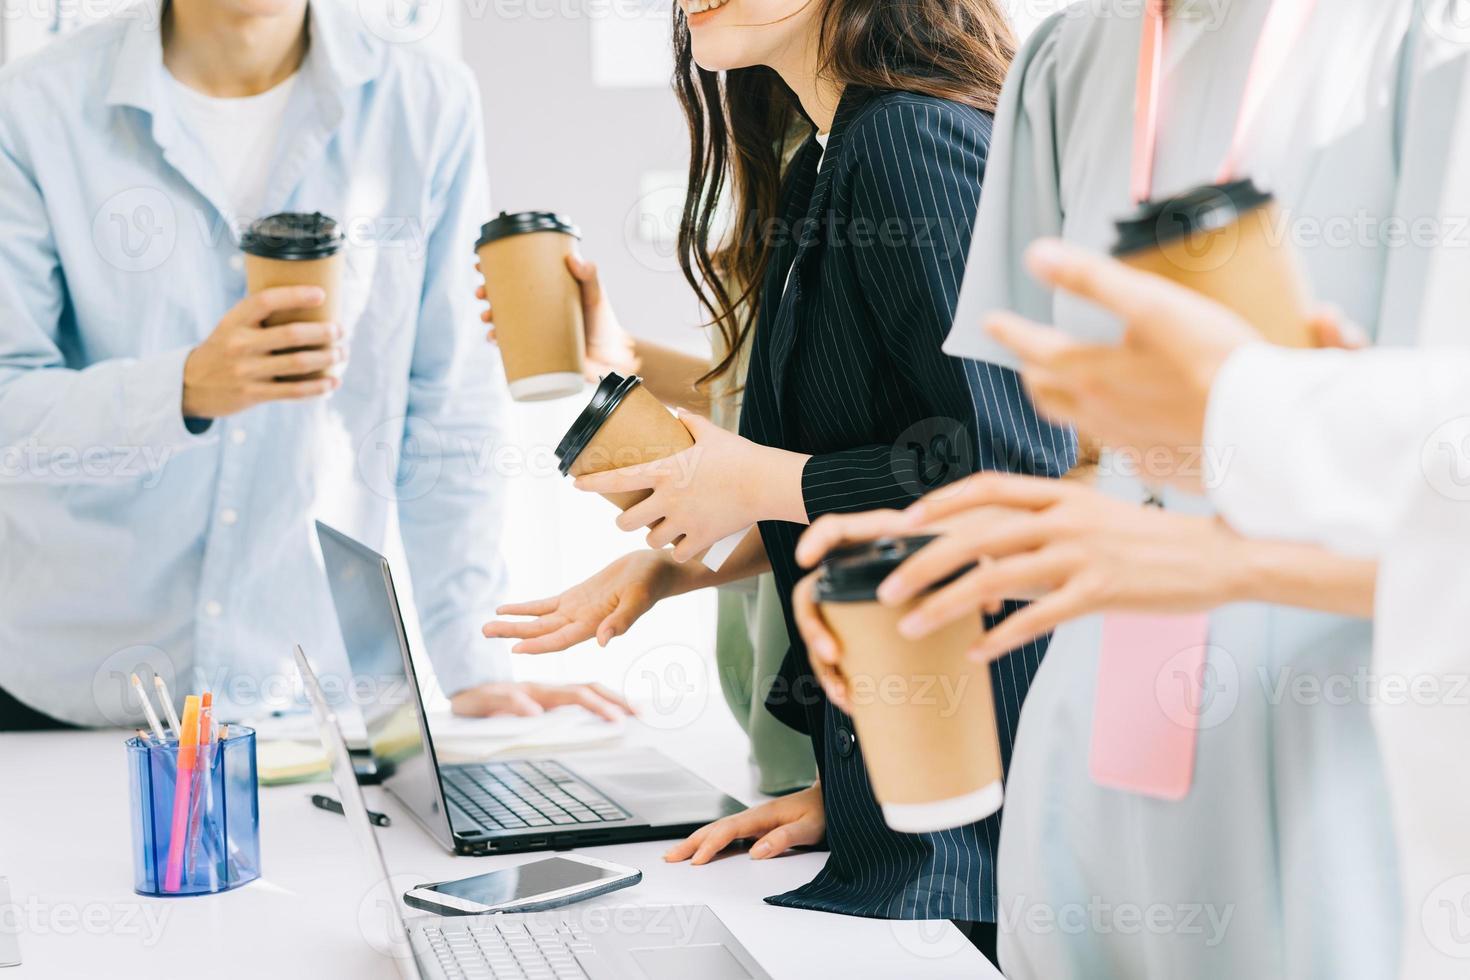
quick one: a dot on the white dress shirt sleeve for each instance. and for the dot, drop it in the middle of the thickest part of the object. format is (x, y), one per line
(1332, 446)
(458, 410)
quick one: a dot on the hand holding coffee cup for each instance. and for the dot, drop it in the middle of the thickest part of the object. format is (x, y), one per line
(619, 434)
(244, 363)
(535, 303)
(609, 348)
(1225, 242)
(296, 249)
(924, 711)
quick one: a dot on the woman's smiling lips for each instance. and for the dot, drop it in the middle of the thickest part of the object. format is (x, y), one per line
(701, 11)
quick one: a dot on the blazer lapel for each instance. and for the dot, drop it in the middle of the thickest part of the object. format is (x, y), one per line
(809, 231)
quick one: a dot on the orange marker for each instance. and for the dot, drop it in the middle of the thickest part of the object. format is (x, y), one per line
(183, 782)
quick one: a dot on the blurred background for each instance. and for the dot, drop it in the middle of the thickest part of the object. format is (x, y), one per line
(580, 119)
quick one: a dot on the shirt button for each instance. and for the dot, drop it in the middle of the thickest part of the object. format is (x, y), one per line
(229, 517)
(237, 436)
(237, 262)
(845, 741)
(212, 608)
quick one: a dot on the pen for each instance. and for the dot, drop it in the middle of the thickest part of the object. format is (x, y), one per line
(327, 803)
(148, 711)
(168, 706)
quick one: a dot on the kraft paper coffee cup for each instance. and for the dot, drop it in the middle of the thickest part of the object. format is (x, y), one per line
(624, 425)
(294, 249)
(1223, 241)
(924, 712)
(536, 302)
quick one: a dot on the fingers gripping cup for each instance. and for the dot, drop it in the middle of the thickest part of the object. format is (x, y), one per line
(924, 712)
(292, 249)
(1221, 240)
(624, 425)
(536, 302)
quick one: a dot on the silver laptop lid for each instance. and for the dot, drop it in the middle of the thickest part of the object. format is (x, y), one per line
(383, 678)
(390, 935)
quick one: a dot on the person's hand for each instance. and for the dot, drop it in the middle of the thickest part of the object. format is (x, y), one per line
(720, 485)
(796, 820)
(1148, 393)
(609, 346)
(828, 533)
(604, 606)
(1080, 551)
(237, 367)
(533, 699)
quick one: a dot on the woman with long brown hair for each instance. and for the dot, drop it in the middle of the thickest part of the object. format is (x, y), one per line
(839, 279)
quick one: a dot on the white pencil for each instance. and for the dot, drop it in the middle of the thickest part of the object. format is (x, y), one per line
(148, 711)
(168, 705)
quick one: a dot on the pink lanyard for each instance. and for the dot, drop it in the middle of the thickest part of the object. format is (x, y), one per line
(1285, 24)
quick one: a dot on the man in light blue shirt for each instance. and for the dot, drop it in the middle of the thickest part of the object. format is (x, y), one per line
(158, 484)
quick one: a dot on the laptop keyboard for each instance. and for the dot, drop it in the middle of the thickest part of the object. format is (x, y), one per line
(527, 794)
(488, 949)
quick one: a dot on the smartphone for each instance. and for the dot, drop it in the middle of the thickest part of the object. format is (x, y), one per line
(546, 884)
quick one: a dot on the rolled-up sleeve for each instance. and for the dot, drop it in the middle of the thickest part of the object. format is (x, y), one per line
(458, 409)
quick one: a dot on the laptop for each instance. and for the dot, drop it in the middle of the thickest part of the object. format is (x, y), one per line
(516, 804)
(668, 942)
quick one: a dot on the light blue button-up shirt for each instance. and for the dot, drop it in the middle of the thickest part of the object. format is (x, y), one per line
(124, 537)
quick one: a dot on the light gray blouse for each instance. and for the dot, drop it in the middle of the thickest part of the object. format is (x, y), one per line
(1280, 862)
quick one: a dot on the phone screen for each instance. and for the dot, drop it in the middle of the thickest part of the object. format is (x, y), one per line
(527, 881)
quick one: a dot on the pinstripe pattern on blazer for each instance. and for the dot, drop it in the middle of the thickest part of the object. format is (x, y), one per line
(846, 366)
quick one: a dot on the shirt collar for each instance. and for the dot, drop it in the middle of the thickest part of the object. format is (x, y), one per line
(342, 53)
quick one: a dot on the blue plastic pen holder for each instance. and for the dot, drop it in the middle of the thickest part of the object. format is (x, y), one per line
(206, 825)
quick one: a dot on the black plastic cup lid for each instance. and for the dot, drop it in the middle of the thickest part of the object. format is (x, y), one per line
(1203, 209)
(853, 574)
(611, 391)
(293, 235)
(524, 223)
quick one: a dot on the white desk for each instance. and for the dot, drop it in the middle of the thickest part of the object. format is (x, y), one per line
(65, 845)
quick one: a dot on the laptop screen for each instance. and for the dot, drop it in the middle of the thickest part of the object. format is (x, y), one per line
(383, 682)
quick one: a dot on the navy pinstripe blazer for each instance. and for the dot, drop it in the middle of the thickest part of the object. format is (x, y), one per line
(846, 366)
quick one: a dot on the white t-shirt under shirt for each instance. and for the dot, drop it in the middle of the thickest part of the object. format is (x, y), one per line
(239, 135)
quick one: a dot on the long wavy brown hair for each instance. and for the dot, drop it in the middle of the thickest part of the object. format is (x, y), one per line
(742, 124)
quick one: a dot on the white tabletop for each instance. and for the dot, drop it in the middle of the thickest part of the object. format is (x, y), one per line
(65, 847)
